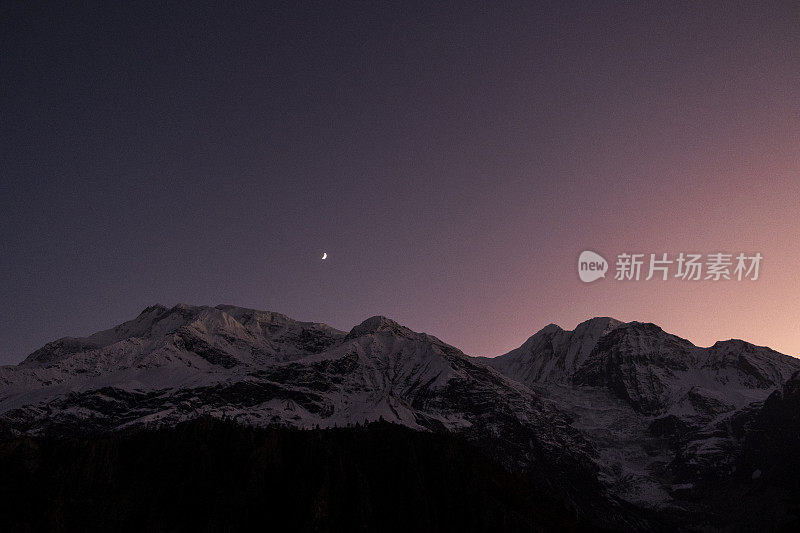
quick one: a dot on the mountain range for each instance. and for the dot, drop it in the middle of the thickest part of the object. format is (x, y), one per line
(632, 427)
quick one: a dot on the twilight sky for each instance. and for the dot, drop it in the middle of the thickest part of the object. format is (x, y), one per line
(452, 159)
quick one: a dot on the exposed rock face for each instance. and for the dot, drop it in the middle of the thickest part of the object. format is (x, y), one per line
(770, 450)
(663, 414)
(553, 354)
(622, 420)
(260, 368)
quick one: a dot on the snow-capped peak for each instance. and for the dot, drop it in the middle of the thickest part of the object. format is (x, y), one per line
(630, 389)
(376, 324)
(554, 354)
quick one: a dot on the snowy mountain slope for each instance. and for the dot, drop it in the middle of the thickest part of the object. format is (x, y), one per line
(164, 348)
(614, 417)
(377, 369)
(247, 335)
(169, 365)
(553, 354)
(656, 372)
(661, 412)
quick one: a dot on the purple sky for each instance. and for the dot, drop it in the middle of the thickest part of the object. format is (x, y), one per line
(453, 160)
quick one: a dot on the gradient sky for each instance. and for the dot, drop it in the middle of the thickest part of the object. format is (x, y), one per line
(452, 159)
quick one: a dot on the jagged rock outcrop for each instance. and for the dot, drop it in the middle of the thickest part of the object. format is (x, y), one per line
(622, 420)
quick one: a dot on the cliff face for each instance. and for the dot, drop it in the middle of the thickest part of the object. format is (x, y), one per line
(624, 422)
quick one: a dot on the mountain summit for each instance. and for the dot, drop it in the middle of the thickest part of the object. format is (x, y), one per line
(621, 420)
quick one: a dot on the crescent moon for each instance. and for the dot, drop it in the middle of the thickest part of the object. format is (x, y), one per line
(324, 255)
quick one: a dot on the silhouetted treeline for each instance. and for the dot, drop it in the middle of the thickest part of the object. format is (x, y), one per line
(210, 475)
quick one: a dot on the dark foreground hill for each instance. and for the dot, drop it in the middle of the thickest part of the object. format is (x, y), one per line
(212, 475)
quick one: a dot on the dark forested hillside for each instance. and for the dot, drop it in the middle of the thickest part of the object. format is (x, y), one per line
(209, 475)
